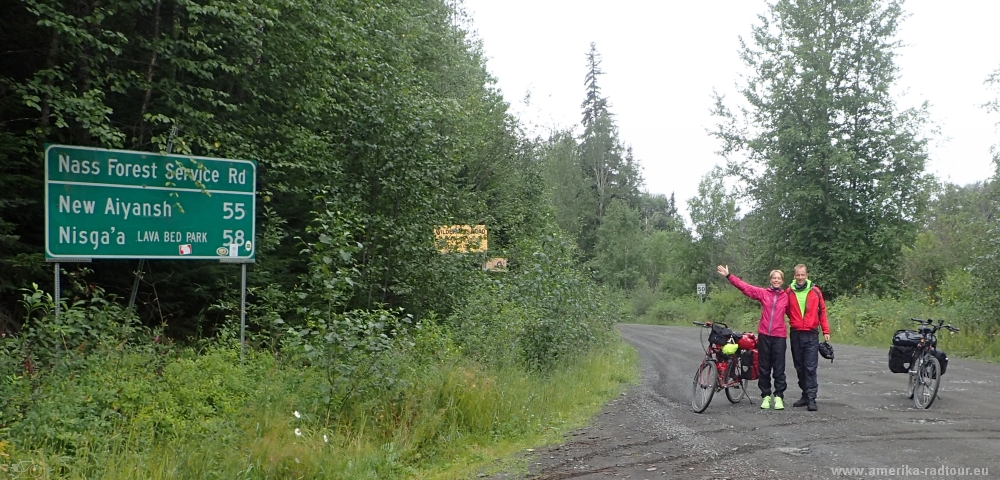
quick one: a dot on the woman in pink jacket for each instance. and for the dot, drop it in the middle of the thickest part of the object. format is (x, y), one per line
(771, 334)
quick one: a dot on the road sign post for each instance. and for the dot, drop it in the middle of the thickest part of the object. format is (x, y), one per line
(120, 204)
(701, 291)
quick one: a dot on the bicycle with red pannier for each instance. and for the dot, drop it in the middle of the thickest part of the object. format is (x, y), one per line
(730, 364)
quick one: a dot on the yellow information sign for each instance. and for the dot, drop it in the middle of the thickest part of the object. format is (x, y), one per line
(461, 238)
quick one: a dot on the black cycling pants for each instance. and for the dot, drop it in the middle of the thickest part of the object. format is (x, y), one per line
(771, 353)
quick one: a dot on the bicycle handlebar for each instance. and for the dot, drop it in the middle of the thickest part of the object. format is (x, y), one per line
(709, 324)
(937, 327)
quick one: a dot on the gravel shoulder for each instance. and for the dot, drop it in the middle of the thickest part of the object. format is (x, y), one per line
(865, 420)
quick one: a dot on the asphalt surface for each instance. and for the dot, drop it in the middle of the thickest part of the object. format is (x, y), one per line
(865, 421)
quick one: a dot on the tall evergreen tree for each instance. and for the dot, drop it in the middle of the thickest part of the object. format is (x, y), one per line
(610, 169)
(594, 106)
(831, 165)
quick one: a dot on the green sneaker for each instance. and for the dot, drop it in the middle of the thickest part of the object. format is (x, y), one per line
(766, 403)
(779, 404)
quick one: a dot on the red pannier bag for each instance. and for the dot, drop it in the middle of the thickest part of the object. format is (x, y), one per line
(747, 341)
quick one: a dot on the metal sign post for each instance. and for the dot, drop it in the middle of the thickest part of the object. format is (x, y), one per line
(243, 301)
(121, 204)
(57, 310)
(243, 312)
(58, 289)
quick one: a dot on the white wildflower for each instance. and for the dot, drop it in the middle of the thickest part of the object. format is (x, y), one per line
(298, 433)
(296, 413)
(325, 440)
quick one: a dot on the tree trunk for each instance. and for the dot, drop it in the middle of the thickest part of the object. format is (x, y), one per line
(50, 62)
(149, 77)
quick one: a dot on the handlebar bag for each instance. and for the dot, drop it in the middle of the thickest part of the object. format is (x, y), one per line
(906, 338)
(720, 335)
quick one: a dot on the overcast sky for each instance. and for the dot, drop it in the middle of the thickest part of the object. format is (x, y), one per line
(663, 59)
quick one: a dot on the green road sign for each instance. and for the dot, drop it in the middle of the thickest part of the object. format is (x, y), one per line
(122, 204)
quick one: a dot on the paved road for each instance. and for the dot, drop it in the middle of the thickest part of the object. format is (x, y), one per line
(865, 420)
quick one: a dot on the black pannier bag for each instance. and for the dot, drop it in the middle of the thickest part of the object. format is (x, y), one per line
(906, 338)
(942, 359)
(749, 362)
(720, 335)
(900, 358)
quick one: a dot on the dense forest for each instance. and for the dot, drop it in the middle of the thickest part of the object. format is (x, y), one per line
(375, 122)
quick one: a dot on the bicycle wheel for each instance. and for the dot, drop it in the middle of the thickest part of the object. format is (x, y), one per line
(928, 380)
(735, 393)
(705, 382)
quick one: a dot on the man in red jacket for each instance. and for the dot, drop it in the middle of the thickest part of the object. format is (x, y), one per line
(806, 314)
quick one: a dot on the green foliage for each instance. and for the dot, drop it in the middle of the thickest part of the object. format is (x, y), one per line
(957, 289)
(641, 300)
(730, 305)
(674, 262)
(141, 408)
(620, 259)
(726, 305)
(45, 340)
(956, 225)
(566, 184)
(659, 213)
(594, 105)
(539, 315)
(348, 348)
(713, 213)
(833, 168)
(584, 179)
(382, 112)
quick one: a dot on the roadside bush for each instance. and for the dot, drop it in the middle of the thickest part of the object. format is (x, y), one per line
(94, 382)
(47, 355)
(537, 314)
(675, 311)
(642, 299)
(729, 305)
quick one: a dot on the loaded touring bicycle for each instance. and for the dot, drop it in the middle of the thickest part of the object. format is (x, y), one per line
(916, 354)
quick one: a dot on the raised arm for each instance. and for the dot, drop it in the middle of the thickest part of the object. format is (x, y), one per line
(756, 293)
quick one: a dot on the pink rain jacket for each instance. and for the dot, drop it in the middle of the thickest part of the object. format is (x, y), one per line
(773, 303)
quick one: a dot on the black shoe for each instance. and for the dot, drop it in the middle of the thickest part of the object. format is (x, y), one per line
(801, 402)
(812, 406)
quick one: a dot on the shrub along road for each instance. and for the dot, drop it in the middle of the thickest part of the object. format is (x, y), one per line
(865, 420)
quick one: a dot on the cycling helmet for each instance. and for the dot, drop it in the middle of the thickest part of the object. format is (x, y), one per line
(826, 350)
(730, 348)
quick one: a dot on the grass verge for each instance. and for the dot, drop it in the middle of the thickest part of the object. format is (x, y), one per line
(453, 420)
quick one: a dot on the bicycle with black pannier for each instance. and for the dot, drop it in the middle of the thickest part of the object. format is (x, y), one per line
(916, 354)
